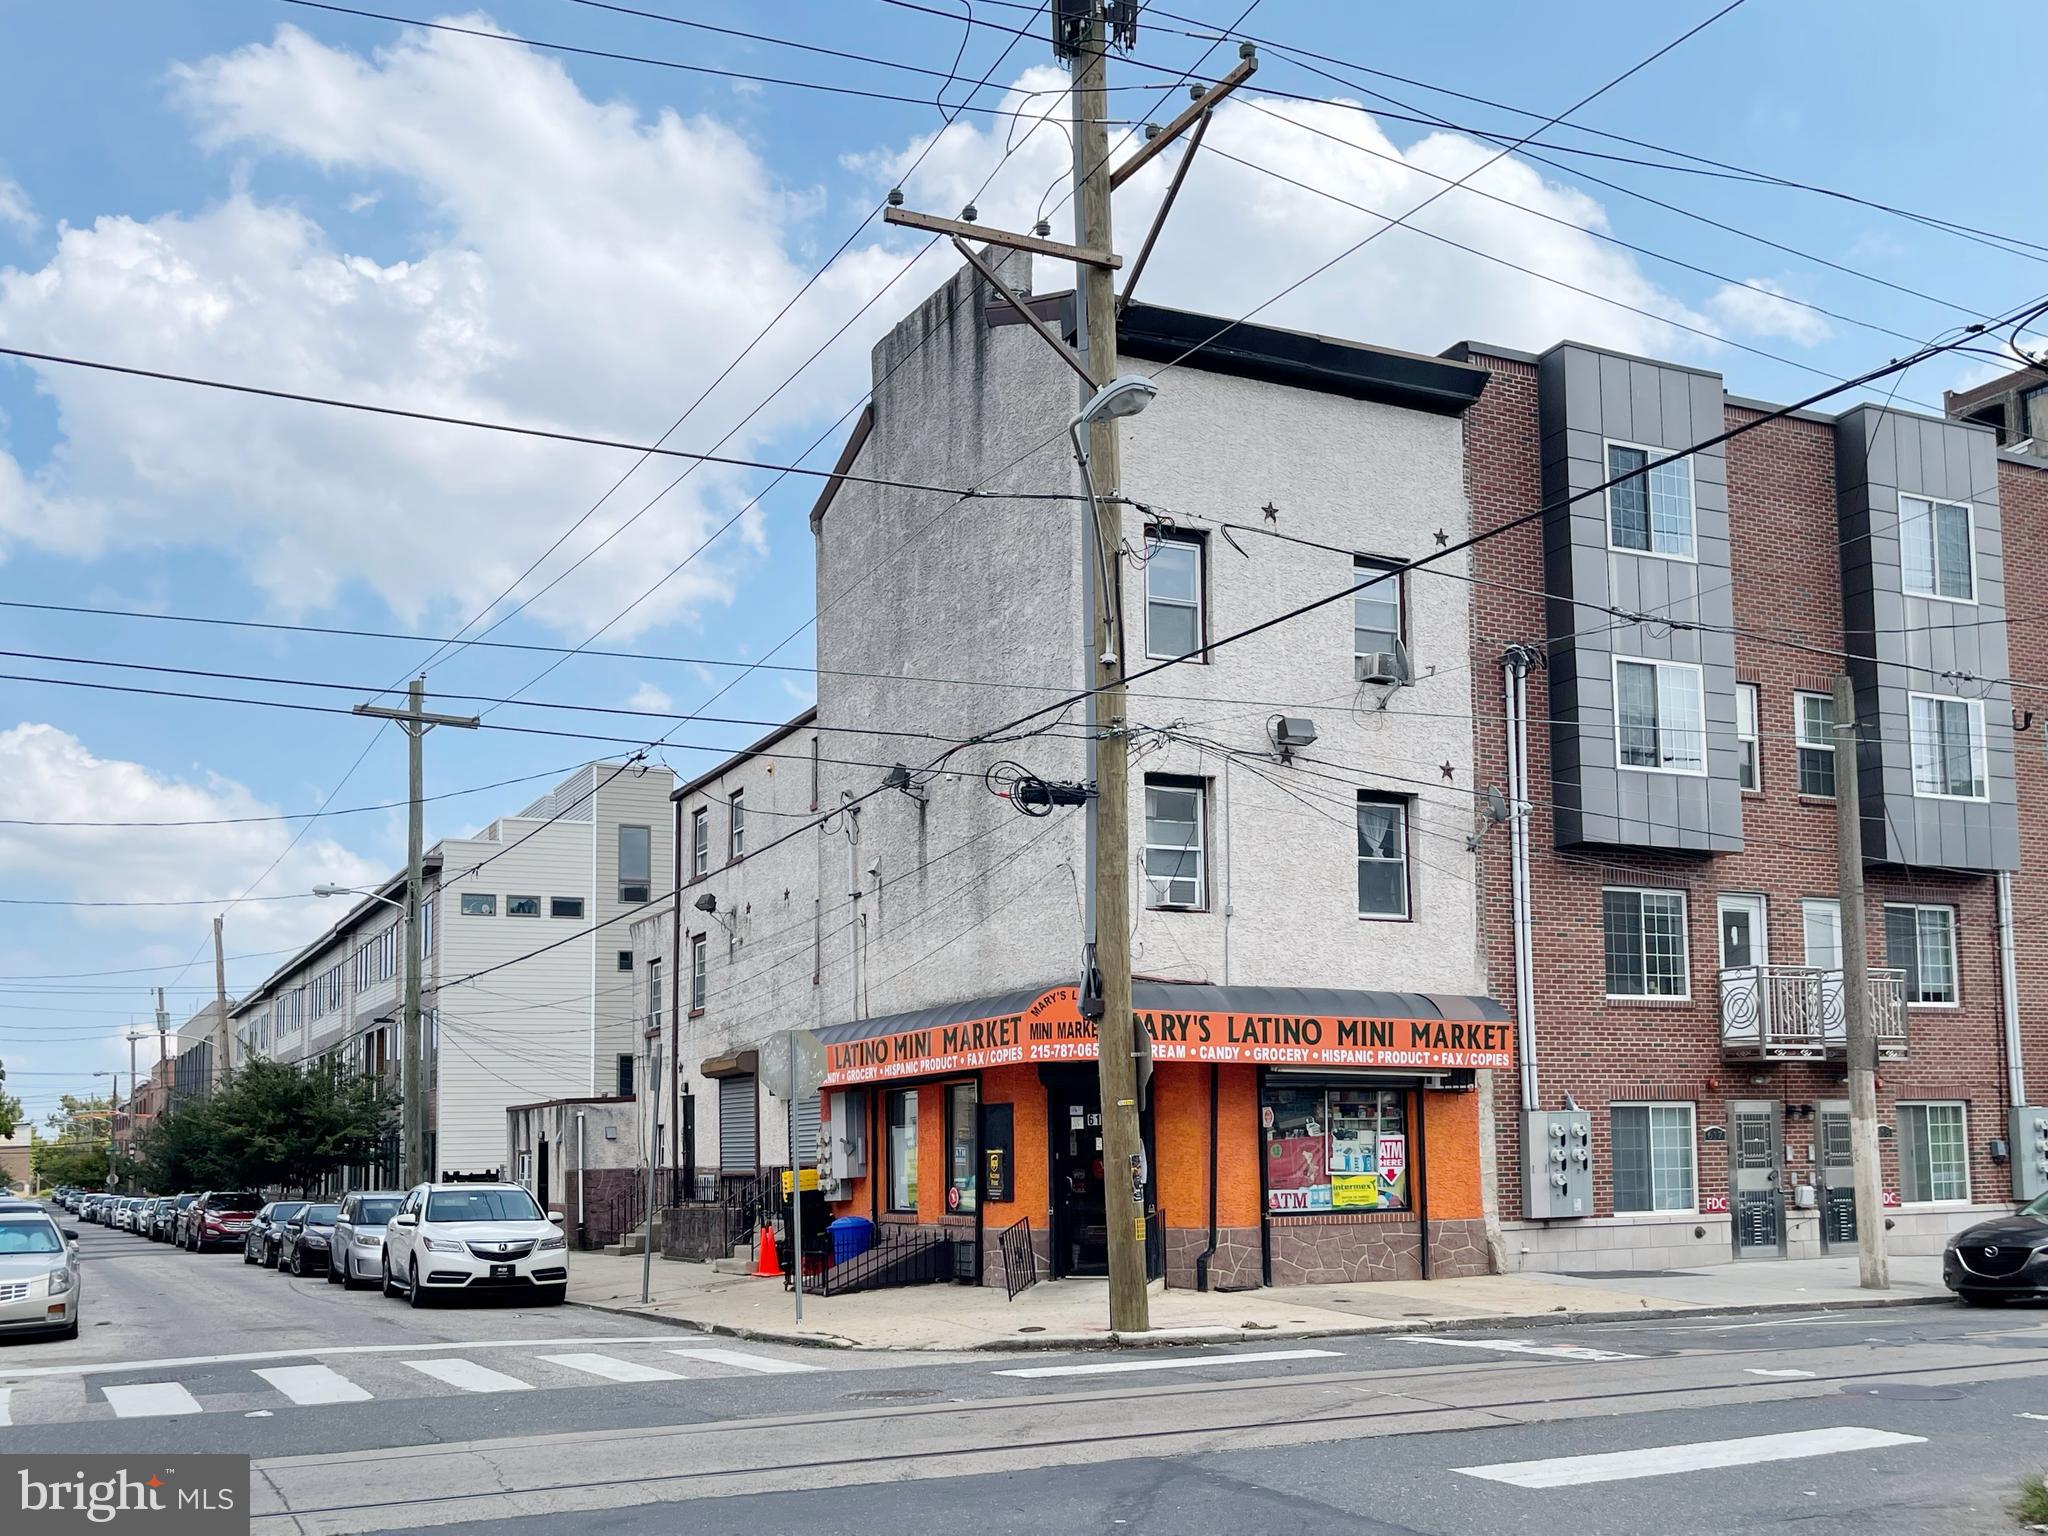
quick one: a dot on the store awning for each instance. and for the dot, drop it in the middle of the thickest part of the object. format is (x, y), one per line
(1272, 1026)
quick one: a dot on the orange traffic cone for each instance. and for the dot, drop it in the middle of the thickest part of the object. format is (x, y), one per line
(766, 1262)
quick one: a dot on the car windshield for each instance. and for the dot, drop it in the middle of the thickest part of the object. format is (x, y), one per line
(376, 1213)
(29, 1237)
(2038, 1206)
(285, 1210)
(320, 1215)
(482, 1205)
(233, 1203)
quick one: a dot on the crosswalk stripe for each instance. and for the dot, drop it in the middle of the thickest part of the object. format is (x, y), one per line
(612, 1368)
(1662, 1460)
(746, 1362)
(1520, 1347)
(150, 1400)
(1182, 1362)
(308, 1385)
(468, 1375)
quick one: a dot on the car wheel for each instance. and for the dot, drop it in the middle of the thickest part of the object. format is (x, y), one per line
(247, 1256)
(298, 1267)
(415, 1293)
(384, 1266)
(332, 1277)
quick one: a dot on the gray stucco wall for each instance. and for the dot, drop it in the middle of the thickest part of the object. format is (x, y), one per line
(1587, 400)
(1902, 643)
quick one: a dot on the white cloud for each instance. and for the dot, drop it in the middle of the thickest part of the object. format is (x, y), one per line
(363, 202)
(593, 269)
(802, 693)
(47, 774)
(648, 697)
(1761, 307)
(16, 212)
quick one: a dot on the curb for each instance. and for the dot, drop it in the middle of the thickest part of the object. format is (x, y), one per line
(1171, 1338)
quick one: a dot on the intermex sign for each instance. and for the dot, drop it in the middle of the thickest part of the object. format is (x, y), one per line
(1052, 1030)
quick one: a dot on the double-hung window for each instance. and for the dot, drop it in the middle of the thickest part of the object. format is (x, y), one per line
(1948, 747)
(1820, 921)
(1814, 724)
(1749, 768)
(700, 841)
(1650, 511)
(1653, 1157)
(736, 844)
(1921, 941)
(636, 863)
(1174, 874)
(699, 956)
(1382, 856)
(1934, 1158)
(656, 1003)
(1660, 715)
(1936, 556)
(1173, 595)
(1376, 612)
(1646, 944)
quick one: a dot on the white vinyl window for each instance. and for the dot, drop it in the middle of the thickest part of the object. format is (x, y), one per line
(1660, 716)
(1921, 941)
(1174, 877)
(1382, 856)
(1937, 554)
(699, 956)
(1376, 627)
(1173, 595)
(1749, 767)
(700, 842)
(1948, 748)
(1934, 1156)
(1653, 1157)
(1814, 723)
(736, 845)
(1645, 940)
(1650, 512)
(1821, 920)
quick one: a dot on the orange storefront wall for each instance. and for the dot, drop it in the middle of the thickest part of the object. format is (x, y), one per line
(1180, 1134)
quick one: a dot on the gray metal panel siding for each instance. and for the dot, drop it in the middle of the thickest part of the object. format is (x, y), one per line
(1586, 399)
(1901, 643)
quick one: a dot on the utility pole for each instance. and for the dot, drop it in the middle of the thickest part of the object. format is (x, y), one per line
(1860, 1036)
(415, 722)
(220, 1000)
(163, 1029)
(1110, 942)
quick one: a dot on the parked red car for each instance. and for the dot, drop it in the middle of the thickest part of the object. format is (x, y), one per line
(219, 1219)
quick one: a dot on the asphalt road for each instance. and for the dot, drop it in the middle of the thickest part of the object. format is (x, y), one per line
(365, 1415)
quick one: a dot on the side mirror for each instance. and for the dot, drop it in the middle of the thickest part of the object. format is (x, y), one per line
(407, 1220)
(555, 1217)
(70, 1234)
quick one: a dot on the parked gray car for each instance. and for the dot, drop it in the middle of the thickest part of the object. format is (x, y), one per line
(358, 1253)
(40, 1283)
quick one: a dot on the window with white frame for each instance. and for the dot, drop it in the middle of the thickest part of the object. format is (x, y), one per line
(699, 957)
(377, 960)
(1173, 594)
(1376, 609)
(426, 925)
(736, 847)
(1934, 1157)
(1814, 726)
(1174, 877)
(1660, 716)
(700, 841)
(656, 1003)
(326, 991)
(1921, 941)
(1948, 747)
(1650, 512)
(1820, 920)
(1749, 767)
(1645, 940)
(1653, 1157)
(1382, 856)
(1936, 549)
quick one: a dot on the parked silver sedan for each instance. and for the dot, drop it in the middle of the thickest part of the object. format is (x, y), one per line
(40, 1282)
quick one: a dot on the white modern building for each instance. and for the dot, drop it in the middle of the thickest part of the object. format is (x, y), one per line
(528, 982)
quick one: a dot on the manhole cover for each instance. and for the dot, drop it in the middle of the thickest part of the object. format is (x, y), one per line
(894, 1394)
(1904, 1391)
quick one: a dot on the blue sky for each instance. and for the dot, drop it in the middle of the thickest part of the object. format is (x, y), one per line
(283, 195)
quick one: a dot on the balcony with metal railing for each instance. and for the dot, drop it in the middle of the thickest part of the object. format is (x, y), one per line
(1795, 1013)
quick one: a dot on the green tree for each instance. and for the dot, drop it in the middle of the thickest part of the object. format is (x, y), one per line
(78, 1164)
(272, 1125)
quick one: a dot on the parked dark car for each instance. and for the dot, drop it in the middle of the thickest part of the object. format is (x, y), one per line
(2003, 1259)
(307, 1245)
(218, 1218)
(357, 1254)
(169, 1222)
(267, 1231)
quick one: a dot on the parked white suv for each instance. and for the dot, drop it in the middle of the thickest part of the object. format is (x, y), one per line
(476, 1237)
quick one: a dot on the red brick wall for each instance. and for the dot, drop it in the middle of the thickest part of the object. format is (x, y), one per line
(2023, 506)
(1787, 583)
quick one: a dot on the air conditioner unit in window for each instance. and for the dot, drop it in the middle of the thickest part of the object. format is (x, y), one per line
(1386, 667)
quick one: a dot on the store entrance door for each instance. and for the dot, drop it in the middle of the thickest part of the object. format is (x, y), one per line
(1080, 1245)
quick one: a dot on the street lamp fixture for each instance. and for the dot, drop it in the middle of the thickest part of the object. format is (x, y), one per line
(351, 890)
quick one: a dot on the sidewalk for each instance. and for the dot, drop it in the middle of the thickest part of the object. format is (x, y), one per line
(1065, 1314)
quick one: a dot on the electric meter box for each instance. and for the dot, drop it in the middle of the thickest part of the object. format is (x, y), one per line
(2029, 1152)
(1557, 1164)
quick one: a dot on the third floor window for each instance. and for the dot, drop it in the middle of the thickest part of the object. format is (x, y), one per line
(700, 842)
(636, 869)
(1935, 554)
(1651, 510)
(736, 848)
(1173, 595)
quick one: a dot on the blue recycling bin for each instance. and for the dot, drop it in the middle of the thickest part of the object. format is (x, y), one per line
(851, 1236)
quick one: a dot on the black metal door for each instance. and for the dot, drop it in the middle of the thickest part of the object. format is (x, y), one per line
(1753, 1166)
(1837, 1181)
(1080, 1244)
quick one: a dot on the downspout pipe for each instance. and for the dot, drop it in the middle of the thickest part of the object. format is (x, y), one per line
(2009, 995)
(1203, 1258)
(1515, 679)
